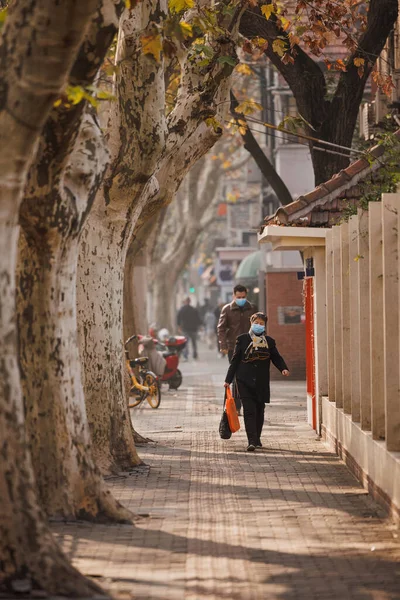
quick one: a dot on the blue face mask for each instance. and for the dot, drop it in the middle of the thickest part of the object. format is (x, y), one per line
(258, 329)
(240, 302)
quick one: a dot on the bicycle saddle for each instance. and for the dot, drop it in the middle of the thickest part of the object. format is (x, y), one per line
(138, 361)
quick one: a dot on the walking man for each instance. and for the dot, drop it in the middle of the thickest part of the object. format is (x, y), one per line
(234, 320)
(189, 322)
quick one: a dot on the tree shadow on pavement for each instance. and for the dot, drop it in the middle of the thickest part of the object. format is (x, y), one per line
(338, 574)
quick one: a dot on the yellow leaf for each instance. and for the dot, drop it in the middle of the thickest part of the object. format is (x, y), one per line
(244, 69)
(212, 122)
(267, 10)
(285, 23)
(57, 103)
(152, 44)
(359, 62)
(248, 107)
(279, 47)
(177, 6)
(186, 28)
(260, 42)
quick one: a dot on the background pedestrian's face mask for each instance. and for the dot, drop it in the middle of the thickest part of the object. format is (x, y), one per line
(240, 301)
(258, 329)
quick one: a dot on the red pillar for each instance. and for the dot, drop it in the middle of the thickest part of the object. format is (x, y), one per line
(310, 351)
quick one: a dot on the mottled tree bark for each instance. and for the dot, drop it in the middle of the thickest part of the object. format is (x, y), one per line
(38, 45)
(150, 154)
(62, 185)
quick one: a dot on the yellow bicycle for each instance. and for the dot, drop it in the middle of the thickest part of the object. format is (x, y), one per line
(145, 386)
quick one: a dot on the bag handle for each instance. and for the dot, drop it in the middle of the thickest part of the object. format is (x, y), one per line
(227, 393)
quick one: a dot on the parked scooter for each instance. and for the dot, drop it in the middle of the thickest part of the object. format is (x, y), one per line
(170, 347)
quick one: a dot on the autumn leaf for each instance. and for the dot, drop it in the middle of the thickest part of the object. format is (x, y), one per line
(3, 16)
(359, 62)
(285, 23)
(186, 29)
(267, 10)
(248, 107)
(177, 6)
(244, 69)
(260, 43)
(279, 47)
(212, 122)
(152, 44)
(227, 60)
(339, 65)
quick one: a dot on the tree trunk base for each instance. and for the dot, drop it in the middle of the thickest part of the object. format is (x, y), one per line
(140, 440)
(106, 510)
(53, 575)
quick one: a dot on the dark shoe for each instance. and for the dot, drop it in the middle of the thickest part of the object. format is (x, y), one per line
(251, 448)
(259, 444)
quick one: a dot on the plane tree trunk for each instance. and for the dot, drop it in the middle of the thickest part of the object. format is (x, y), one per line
(150, 154)
(32, 76)
(61, 187)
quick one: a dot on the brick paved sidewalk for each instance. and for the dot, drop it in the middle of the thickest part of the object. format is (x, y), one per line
(288, 522)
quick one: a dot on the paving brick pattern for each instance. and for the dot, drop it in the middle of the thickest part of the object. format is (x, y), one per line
(286, 523)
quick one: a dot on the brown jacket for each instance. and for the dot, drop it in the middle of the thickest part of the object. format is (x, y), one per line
(233, 321)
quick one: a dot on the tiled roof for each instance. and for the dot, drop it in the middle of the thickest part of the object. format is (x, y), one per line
(323, 206)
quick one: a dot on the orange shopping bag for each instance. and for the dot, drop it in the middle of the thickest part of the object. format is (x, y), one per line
(231, 411)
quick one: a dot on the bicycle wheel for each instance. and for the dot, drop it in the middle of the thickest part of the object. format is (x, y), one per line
(135, 397)
(153, 396)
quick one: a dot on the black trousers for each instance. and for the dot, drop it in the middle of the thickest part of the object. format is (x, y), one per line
(235, 390)
(192, 336)
(253, 414)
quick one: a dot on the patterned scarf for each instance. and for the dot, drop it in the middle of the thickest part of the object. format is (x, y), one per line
(258, 348)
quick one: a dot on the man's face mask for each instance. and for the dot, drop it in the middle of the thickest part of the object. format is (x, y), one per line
(240, 301)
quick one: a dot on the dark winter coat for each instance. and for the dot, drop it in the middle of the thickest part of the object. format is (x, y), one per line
(189, 318)
(233, 321)
(254, 376)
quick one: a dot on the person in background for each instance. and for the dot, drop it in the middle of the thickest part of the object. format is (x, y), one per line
(203, 310)
(250, 363)
(210, 322)
(217, 313)
(233, 321)
(189, 322)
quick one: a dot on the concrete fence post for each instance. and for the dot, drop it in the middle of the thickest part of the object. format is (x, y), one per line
(390, 224)
(376, 321)
(345, 297)
(330, 332)
(364, 362)
(354, 319)
(337, 311)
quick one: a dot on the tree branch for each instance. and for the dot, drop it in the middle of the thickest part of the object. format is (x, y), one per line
(304, 77)
(262, 161)
(382, 16)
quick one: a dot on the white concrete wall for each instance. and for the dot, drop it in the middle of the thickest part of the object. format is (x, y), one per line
(371, 456)
(361, 414)
(293, 164)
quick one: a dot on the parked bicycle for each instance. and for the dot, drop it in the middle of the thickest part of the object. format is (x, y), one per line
(145, 385)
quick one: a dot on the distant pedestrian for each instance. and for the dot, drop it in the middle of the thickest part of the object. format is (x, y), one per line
(250, 363)
(217, 313)
(210, 322)
(233, 321)
(189, 322)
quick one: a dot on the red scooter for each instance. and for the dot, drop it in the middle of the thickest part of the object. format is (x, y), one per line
(170, 347)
